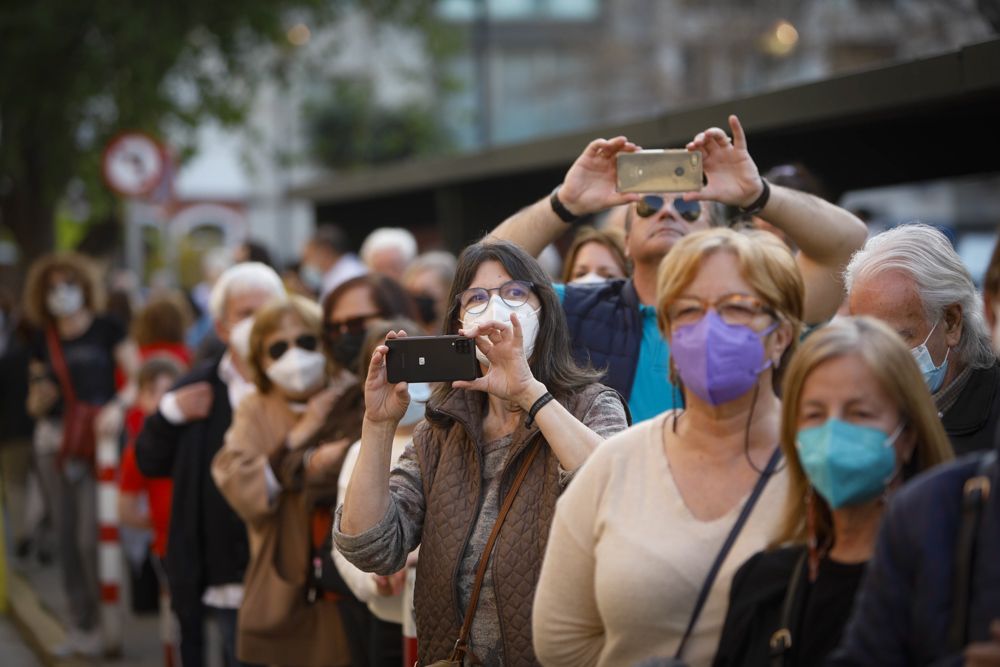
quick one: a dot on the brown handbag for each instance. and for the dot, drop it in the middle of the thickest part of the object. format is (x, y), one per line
(457, 656)
(79, 440)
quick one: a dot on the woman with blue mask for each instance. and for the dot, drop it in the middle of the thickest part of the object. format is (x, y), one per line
(858, 422)
(630, 572)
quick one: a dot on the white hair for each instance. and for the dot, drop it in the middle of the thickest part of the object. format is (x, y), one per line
(239, 279)
(940, 276)
(389, 237)
(442, 262)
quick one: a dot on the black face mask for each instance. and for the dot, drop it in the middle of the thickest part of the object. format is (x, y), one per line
(346, 349)
(426, 308)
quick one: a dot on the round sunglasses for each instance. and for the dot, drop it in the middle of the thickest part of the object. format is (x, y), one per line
(306, 342)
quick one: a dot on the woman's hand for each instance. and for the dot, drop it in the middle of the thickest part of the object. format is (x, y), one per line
(384, 402)
(509, 376)
(327, 457)
(42, 395)
(313, 419)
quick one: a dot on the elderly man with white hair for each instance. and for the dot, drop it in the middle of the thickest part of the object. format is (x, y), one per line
(207, 548)
(389, 250)
(911, 278)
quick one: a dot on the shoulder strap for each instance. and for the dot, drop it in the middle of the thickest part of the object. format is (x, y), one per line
(734, 533)
(781, 640)
(59, 364)
(463, 636)
(974, 496)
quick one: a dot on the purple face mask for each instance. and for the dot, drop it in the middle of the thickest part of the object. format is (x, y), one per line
(717, 361)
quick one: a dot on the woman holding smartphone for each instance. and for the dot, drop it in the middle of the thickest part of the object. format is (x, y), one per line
(493, 452)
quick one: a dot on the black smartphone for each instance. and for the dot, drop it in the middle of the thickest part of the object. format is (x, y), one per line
(431, 359)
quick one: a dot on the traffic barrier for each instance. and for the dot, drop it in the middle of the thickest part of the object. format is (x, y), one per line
(109, 551)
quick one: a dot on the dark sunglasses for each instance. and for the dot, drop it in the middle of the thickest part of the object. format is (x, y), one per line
(355, 326)
(306, 342)
(649, 205)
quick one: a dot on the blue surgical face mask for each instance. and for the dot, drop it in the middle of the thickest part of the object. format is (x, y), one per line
(846, 463)
(933, 375)
(311, 277)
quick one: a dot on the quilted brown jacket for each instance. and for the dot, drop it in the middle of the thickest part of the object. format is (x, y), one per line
(451, 465)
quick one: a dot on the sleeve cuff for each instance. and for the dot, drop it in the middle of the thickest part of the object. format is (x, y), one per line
(170, 409)
(348, 544)
(272, 484)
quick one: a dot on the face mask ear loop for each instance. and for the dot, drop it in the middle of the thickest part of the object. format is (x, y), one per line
(898, 470)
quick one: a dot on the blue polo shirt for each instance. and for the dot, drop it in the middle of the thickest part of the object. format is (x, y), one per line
(652, 391)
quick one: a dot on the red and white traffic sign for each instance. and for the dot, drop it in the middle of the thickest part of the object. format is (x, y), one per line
(133, 164)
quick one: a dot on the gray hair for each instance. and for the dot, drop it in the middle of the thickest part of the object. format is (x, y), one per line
(241, 278)
(941, 278)
(389, 237)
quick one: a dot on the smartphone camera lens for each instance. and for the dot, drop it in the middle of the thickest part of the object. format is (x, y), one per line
(679, 171)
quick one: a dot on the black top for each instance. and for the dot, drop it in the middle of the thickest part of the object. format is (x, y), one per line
(971, 423)
(90, 358)
(207, 545)
(758, 591)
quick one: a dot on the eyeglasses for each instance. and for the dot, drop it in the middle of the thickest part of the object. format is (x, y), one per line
(279, 347)
(353, 325)
(732, 308)
(513, 292)
(650, 205)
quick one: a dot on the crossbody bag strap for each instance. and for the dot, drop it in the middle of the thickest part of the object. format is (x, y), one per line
(781, 640)
(59, 364)
(706, 587)
(470, 612)
(974, 496)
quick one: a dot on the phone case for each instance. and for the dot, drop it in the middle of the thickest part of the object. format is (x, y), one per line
(431, 359)
(660, 171)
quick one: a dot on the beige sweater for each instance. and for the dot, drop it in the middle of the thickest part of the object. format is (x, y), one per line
(626, 560)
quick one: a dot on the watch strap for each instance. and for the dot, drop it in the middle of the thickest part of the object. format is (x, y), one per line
(758, 204)
(559, 209)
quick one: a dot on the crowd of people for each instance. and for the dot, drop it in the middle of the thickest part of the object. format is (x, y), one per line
(721, 435)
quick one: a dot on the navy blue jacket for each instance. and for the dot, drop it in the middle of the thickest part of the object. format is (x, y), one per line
(605, 328)
(903, 608)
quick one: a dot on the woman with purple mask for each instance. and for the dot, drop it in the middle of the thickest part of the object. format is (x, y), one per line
(645, 541)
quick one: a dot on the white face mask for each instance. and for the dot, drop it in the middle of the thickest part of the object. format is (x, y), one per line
(500, 311)
(239, 337)
(589, 278)
(298, 371)
(64, 300)
(420, 393)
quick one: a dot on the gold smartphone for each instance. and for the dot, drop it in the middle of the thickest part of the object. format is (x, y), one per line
(674, 170)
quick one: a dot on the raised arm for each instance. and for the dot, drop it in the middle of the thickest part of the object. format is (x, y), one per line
(825, 234)
(589, 187)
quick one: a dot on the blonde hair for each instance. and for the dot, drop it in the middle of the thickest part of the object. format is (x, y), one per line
(763, 261)
(36, 287)
(269, 319)
(889, 360)
(612, 239)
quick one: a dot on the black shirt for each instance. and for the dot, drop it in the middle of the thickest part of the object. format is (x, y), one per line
(90, 358)
(755, 601)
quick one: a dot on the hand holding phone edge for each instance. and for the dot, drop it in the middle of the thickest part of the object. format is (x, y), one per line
(384, 402)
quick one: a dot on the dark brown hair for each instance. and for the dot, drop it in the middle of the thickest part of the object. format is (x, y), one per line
(551, 362)
(36, 289)
(156, 366)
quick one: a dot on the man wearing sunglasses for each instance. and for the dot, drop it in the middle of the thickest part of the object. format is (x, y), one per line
(613, 324)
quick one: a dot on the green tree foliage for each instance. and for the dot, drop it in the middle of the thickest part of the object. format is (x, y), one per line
(73, 74)
(349, 129)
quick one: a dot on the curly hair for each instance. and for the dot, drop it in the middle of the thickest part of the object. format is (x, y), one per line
(75, 266)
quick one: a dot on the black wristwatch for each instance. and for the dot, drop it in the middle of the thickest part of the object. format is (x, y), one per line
(559, 209)
(760, 202)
